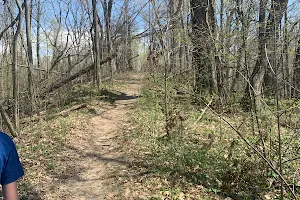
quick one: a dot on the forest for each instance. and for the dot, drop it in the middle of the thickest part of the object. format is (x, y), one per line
(153, 99)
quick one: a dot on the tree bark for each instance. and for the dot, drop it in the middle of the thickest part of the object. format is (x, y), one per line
(127, 40)
(38, 27)
(296, 78)
(15, 68)
(200, 40)
(97, 75)
(107, 9)
(30, 56)
(254, 88)
(267, 36)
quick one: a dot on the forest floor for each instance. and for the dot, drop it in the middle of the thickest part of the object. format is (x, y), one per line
(81, 155)
(115, 147)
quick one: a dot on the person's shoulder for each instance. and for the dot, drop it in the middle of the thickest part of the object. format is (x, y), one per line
(5, 140)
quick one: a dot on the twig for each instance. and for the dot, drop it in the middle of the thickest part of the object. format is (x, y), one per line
(290, 160)
(204, 110)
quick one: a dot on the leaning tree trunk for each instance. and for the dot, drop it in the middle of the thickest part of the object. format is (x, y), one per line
(60, 83)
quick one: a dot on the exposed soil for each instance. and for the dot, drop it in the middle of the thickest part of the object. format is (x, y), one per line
(94, 161)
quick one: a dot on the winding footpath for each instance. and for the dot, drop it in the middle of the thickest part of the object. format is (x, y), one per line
(95, 156)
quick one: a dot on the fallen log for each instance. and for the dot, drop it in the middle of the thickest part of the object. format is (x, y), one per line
(67, 111)
(81, 72)
(64, 113)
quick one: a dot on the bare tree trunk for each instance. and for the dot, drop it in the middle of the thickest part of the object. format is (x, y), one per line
(215, 64)
(97, 76)
(286, 69)
(107, 8)
(296, 78)
(267, 35)
(38, 21)
(200, 40)
(257, 75)
(278, 7)
(171, 42)
(15, 69)
(30, 57)
(127, 41)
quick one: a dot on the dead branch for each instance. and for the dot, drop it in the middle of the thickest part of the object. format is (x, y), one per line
(204, 110)
(7, 122)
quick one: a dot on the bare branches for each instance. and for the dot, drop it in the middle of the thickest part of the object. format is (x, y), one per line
(11, 24)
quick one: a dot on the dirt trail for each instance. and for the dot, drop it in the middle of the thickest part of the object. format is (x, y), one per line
(94, 158)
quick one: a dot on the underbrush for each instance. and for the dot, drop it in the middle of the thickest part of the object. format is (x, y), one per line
(201, 151)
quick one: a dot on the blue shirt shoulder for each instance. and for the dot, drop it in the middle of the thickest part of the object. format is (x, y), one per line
(10, 166)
